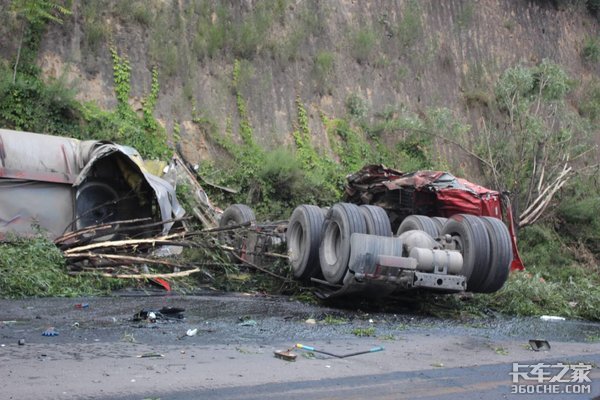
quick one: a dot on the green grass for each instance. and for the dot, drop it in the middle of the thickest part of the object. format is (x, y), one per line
(136, 11)
(95, 33)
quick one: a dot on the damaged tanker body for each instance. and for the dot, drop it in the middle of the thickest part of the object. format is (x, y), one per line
(62, 184)
(399, 231)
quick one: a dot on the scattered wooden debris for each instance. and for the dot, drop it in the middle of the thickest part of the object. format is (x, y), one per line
(127, 257)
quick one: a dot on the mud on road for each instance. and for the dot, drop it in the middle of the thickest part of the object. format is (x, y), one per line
(97, 351)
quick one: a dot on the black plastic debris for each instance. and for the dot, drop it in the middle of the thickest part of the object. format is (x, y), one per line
(164, 314)
(539, 345)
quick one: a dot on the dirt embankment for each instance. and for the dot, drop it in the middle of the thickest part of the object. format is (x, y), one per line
(390, 54)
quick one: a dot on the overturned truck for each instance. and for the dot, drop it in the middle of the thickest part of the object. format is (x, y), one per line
(398, 231)
(61, 184)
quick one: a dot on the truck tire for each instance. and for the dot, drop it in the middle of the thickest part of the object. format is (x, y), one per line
(418, 223)
(439, 223)
(501, 254)
(303, 239)
(96, 203)
(235, 214)
(377, 220)
(342, 220)
(473, 242)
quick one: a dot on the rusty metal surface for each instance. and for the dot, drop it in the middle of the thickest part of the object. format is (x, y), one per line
(376, 178)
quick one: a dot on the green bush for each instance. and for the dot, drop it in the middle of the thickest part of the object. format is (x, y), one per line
(581, 220)
(542, 248)
(410, 28)
(554, 282)
(362, 44)
(285, 177)
(322, 70)
(356, 106)
(35, 267)
(589, 105)
(30, 104)
(591, 50)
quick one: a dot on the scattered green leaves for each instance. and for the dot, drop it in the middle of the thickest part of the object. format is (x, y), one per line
(35, 267)
(364, 332)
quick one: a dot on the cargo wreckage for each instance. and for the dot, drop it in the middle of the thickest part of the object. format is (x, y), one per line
(393, 232)
(62, 184)
(449, 236)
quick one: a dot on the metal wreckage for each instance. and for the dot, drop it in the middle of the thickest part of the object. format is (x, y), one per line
(399, 231)
(62, 184)
(393, 232)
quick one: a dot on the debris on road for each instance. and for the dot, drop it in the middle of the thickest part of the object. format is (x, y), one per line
(82, 305)
(21, 342)
(539, 345)
(551, 318)
(192, 332)
(50, 332)
(285, 355)
(248, 322)
(189, 333)
(151, 355)
(310, 348)
(165, 313)
(151, 317)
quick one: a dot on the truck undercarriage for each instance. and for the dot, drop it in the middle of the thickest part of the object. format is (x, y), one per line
(398, 231)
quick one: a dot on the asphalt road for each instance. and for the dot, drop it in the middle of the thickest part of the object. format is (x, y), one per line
(97, 352)
(479, 382)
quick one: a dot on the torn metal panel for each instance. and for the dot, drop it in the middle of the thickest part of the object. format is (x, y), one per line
(24, 204)
(429, 193)
(124, 166)
(79, 183)
(36, 157)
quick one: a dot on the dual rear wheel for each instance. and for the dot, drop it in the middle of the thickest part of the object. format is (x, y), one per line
(319, 241)
(484, 243)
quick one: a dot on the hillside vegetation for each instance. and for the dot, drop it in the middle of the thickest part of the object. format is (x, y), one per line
(281, 99)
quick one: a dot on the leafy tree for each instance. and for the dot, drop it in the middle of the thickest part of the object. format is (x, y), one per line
(530, 140)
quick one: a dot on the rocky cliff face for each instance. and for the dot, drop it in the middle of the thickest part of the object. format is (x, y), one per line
(386, 55)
